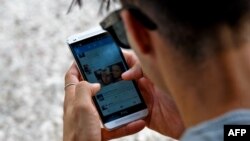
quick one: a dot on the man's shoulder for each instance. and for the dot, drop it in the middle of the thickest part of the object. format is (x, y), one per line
(213, 130)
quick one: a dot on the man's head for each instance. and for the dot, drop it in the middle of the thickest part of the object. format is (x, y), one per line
(188, 23)
(199, 52)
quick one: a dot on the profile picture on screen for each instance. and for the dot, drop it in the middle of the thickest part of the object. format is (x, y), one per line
(117, 70)
(105, 76)
(110, 74)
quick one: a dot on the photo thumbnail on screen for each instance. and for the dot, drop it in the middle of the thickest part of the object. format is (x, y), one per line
(110, 74)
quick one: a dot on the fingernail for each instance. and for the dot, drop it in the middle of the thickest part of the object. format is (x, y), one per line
(96, 84)
(124, 74)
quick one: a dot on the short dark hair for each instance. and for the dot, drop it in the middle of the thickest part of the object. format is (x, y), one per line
(189, 23)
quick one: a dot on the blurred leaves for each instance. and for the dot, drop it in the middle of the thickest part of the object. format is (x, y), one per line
(105, 4)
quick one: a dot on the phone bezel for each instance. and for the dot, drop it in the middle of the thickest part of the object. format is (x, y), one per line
(115, 119)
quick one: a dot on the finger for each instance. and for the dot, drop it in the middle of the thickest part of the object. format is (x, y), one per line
(133, 73)
(71, 77)
(85, 91)
(130, 57)
(88, 126)
(128, 129)
(147, 89)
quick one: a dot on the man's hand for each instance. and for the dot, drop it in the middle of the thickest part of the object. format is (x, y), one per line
(163, 113)
(81, 120)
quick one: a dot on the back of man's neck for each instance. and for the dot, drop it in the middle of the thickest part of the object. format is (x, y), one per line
(222, 85)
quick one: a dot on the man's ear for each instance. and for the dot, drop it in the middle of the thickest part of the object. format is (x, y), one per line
(137, 34)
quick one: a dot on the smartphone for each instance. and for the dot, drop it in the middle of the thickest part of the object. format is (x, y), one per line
(100, 60)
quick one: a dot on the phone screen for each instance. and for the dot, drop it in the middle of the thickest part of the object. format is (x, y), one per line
(100, 60)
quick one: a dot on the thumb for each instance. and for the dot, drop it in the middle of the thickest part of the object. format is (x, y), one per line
(94, 87)
(133, 73)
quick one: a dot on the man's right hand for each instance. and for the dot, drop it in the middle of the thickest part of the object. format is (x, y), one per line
(163, 114)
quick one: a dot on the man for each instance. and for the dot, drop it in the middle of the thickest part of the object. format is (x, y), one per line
(196, 71)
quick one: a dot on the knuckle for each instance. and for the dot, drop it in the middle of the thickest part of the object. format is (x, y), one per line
(82, 84)
(80, 108)
(82, 87)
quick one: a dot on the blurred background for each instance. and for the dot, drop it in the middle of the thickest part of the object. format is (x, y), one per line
(33, 60)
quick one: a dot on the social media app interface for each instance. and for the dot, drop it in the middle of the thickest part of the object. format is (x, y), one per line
(102, 63)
